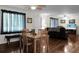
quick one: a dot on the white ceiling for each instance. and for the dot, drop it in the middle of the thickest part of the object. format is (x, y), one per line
(54, 8)
(63, 8)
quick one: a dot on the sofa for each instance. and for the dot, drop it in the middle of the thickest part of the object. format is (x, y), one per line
(59, 32)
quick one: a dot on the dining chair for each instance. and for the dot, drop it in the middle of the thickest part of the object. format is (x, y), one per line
(26, 41)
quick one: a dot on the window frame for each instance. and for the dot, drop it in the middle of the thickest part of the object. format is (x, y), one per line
(14, 12)
(51, 18)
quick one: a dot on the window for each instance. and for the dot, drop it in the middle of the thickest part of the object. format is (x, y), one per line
(12, 22)
(54, 22)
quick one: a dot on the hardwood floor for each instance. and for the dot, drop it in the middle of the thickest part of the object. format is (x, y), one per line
(11, 48)
(55, 46)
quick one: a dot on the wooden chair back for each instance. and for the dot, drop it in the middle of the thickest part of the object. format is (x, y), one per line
(24, 36)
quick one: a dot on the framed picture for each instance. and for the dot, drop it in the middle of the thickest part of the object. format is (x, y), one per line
(72, 21)
(62, 21)
(29, 20)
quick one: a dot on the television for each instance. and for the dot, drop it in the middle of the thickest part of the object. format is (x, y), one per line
(12, 22)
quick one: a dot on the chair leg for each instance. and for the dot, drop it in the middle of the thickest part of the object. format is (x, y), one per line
(20, 45)
(23, 48)
(27, 49)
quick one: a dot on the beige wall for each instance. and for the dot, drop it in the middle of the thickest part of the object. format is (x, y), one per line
(37, 19)
(47, 18)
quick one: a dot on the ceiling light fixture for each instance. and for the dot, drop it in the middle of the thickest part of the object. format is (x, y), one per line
(33, 7)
